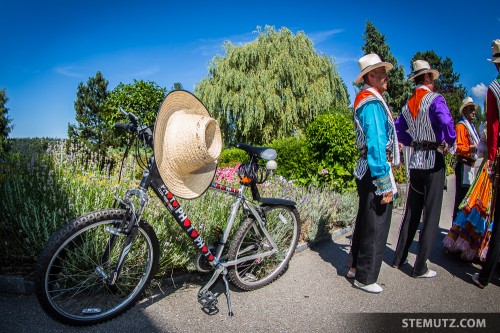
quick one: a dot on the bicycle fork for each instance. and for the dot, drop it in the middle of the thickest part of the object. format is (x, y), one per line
(129, 231)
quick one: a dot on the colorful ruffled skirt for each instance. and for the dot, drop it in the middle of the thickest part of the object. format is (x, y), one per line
(471, 231)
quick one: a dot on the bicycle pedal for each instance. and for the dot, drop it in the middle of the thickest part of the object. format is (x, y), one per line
(208, 300)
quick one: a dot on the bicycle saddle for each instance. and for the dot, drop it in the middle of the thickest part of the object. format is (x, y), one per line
(262, 152)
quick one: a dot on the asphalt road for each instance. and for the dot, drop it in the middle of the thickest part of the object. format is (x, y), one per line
(313, 296)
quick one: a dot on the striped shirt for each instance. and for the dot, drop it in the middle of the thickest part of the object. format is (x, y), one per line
(425, 117)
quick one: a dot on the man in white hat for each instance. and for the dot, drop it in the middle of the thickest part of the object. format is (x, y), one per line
(426, 125)
(483, 278)
(377, 142)
(467, 144)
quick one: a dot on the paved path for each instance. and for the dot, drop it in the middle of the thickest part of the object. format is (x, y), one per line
(313, 296)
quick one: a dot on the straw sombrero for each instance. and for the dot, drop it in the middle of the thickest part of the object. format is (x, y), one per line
(466, 102)
(187, 144)
(368, 63)
(495, 51)
(421, 67)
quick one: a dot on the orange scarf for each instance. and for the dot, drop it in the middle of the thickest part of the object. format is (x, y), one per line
(415, 100)
(361, 96)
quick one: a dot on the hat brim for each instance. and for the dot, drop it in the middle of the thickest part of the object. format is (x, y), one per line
(435, 74)
(195, 183)
(388, 66)
(466, 105)
(495, 60)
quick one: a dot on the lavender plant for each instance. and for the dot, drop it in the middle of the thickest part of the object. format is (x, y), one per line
(49, 184)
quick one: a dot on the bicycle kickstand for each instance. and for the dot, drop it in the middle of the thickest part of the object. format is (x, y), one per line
(228, 296)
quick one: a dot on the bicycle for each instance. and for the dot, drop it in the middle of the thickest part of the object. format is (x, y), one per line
(98, 265)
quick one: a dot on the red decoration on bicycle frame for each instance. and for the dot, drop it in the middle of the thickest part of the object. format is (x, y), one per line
(194, 234)
(204, 249)
(187, 222)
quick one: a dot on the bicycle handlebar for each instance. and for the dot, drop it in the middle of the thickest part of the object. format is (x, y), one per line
(143, 132)
(124, 127)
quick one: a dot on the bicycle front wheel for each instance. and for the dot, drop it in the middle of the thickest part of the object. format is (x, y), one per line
(74, 274)
(283, 225)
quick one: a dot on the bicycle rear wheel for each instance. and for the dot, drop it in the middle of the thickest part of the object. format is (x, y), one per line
(283, 225)
(72, 279)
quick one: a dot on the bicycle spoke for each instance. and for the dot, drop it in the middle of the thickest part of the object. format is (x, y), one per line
(77, 281)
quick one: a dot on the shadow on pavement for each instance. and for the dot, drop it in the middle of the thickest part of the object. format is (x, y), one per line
(335, 253)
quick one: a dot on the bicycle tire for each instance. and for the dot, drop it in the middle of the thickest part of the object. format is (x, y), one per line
(71, 291)
(283, 224)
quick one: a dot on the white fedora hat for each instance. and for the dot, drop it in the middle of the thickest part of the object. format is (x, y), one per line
(466, 102)
(187, 143)
(495, 51)
(370, 62)
(421, 67)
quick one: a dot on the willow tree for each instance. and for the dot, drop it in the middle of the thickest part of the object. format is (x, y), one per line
(270, 88)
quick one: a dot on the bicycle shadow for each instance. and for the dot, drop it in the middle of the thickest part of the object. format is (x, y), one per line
(190, 282)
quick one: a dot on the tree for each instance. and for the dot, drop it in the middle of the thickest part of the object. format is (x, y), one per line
(142, 98)
(399, 89)
(5, 128)
(447, 83)
(90, 108)
(177, 86)
(270, 88)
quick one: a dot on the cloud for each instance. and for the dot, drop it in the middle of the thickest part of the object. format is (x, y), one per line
(212, 46)
(320, 36)
(346, 60)
(146, 72)
(479, 90)
(70, 71)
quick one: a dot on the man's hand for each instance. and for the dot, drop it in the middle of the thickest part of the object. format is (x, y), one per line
(386, 198)
(491, 170)
(442, 148)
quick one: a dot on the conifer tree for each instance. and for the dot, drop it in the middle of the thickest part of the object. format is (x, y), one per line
(5, 127)
(399, 89)
(90, 107)
(447, 83)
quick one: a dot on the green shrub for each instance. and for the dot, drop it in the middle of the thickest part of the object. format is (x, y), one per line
(229, 157)
(331, 141)
(294, 160)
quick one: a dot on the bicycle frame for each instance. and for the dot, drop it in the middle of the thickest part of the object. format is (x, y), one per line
(151, 178)
(119, 273)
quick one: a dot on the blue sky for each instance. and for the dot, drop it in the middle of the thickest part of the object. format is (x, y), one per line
(49, 47)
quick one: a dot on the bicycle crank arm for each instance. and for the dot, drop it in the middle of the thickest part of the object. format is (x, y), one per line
(218, 270)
